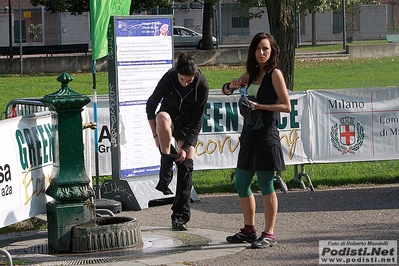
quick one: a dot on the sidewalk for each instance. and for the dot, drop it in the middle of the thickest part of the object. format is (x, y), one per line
(305, 217)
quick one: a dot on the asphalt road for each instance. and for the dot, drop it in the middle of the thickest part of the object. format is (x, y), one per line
(304, 218)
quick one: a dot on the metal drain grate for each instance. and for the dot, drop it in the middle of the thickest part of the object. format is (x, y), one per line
(37, 249)
(82, 261)
(155, 243)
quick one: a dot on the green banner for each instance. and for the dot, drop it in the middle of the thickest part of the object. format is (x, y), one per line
(100, 12)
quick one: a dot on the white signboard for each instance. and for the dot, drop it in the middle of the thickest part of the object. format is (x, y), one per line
(142, 53)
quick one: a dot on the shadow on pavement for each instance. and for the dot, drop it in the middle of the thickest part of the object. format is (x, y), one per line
(370, 198)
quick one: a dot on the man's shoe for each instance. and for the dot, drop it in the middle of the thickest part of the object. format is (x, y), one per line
(178, 225)
(242, 237)
(265, 241)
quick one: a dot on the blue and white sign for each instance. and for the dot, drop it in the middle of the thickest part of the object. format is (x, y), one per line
(143, 53)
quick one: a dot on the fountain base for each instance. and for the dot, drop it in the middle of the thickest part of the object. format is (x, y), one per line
(106, 233)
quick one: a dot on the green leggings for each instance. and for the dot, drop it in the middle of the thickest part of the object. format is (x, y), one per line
(243, 181)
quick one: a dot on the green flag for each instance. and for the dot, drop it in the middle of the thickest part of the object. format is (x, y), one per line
(100, 12)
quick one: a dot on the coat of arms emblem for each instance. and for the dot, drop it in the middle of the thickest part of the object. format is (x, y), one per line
(347, 137)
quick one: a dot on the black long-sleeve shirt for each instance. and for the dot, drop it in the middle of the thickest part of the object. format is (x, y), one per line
(187, 109)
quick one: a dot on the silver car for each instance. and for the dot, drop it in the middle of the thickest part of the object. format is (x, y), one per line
(184, 37)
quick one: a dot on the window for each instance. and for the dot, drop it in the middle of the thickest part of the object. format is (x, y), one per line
(16, 31)
(159, 11)
(176, 32)
(337, 22)
(240, 22)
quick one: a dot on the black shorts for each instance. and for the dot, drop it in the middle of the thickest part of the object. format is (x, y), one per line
(179, 130)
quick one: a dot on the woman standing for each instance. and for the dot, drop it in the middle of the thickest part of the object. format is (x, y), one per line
(260, 148)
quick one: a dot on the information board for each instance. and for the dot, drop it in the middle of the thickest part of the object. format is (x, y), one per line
(141, 51)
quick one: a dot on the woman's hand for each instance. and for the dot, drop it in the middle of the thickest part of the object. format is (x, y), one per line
(255, 104)
(236, 83)
(182, 156)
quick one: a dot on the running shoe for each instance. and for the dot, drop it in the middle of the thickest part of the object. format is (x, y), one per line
(178, 224)
(264, 241)
(242, 237)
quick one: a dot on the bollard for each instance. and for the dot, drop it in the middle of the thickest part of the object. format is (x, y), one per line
(69, 184)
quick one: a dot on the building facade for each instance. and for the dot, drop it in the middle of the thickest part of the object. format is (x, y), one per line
(39, 27)
(366, 22)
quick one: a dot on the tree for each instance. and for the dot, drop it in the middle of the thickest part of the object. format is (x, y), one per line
(282, 27)
(79, 6)
(73, 6)
(138, 6)
(207, 24)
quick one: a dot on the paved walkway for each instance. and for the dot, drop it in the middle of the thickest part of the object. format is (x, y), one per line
(305, 217)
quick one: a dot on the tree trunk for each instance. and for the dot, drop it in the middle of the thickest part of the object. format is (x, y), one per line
(282, 27)
(207, 26)
(314, 31)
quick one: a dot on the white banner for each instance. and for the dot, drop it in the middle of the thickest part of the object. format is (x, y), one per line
(26, 164)
(218, 142)
(354, 124)
(293, 128)
(104, 136)
(324, 126)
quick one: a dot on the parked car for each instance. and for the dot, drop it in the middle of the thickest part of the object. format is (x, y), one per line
(184, 37)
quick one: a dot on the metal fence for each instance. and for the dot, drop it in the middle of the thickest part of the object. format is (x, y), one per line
(23, 106)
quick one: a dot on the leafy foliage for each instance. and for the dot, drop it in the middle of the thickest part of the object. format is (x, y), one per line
(35, 31)
(73, 6)
(319, 6)
(258, 6)
(80, 6)
(138, 5)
